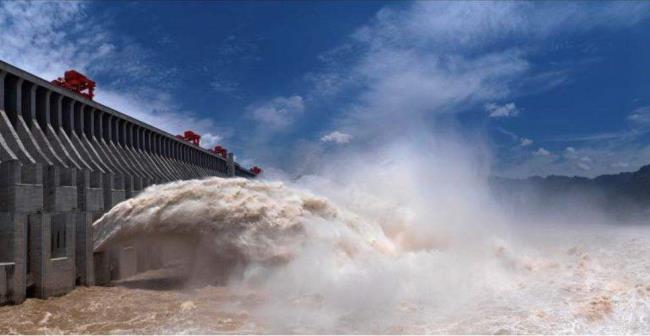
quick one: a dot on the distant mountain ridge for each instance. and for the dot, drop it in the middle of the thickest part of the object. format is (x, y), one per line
(622, 195)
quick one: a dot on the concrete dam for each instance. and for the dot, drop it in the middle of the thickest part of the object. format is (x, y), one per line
(65, 160)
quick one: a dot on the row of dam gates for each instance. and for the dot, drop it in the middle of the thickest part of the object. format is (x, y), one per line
(64, 161)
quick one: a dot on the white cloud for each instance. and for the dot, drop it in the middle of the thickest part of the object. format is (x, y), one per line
(476, 24)
(584, 166)
(46, 45)
(520, 141)
(209, 140)
(541, 152)
(427, 58)
(34, 39)
(404, 86)
(570, 153)
(337, 137)
(640, 116)
(409, 63)
(414, 62)
(500, 111)
(278, 113)
(603, 136)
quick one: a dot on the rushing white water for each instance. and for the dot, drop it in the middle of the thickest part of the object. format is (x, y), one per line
(422, 251)
(401, 241)
(259, 222)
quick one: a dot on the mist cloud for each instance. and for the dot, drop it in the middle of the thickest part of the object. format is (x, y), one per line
(277, 113)
(336, 137)
(501, 111)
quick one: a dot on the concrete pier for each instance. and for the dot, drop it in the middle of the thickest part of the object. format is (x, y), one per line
(64, 161)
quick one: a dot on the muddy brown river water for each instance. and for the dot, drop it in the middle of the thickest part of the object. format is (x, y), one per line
(299, 263)
(584, 291)
(163, 309)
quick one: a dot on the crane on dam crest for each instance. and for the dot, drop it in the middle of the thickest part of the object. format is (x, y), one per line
(76, 82)
(65, 160)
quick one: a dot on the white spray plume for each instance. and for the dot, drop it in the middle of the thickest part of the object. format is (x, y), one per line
(401, 239)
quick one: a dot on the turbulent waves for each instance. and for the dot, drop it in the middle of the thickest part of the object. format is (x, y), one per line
(257, 222)
(357, 262)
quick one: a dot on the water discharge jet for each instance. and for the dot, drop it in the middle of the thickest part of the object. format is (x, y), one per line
(425, 251)
(232, 221)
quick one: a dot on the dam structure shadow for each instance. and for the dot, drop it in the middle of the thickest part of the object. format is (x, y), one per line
(65, 160)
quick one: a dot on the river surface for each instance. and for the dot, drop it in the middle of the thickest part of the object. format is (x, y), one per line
(574, 290)
(279, 259)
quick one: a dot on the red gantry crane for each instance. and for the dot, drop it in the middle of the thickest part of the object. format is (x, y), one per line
(256, 170)
(77, 83)
(82, 85)
(221, 151)
(190, 136)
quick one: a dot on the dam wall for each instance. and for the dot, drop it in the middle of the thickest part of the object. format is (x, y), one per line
(64, 161)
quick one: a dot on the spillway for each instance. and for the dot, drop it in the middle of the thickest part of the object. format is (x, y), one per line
(64, 161)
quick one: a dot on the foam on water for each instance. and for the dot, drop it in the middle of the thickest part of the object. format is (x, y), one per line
(406, 239)
(365, 261)
(260, 222)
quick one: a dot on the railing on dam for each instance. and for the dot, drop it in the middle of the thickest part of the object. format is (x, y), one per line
(64, 161)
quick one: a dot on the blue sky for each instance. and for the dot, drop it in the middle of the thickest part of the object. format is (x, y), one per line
(545, 88)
